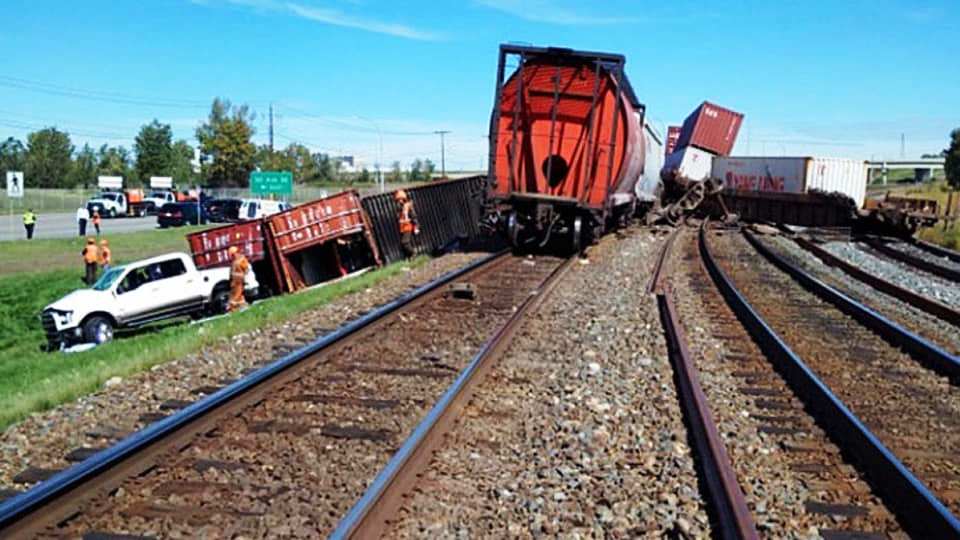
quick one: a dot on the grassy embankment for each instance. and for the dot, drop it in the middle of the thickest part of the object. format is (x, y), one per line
(32, 380)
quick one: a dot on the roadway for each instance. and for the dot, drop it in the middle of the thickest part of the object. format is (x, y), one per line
(64, 225)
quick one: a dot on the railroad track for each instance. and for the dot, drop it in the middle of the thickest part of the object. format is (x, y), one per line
(288, 449)
(876, 402)
(916, 257)
(853, 486)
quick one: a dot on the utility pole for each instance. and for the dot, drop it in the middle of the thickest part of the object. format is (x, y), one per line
(903, 146)
(271, 128)
(443, 157)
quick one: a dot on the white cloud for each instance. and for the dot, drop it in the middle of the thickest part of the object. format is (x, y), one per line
(330, 16)
(338, 18)
(550, 11)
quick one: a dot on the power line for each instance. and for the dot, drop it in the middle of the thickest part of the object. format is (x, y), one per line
(95, 95)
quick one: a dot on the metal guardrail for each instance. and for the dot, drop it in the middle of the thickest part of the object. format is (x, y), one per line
(910, 499)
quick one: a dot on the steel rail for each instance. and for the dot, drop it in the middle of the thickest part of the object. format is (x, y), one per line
(734, 519)
(931, 355)
(935, 249)
(27, 506)
(918, 301)
(368, 518)
(654, 285)
(913, 503)
(916, 262)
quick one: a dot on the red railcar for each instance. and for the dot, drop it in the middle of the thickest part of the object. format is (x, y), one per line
(566, 143)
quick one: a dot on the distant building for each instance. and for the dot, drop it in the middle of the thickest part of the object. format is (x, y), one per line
(348, 163)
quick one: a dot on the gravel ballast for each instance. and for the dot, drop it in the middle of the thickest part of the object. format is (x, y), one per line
(577, 431)
(907, 277)
(124, 406)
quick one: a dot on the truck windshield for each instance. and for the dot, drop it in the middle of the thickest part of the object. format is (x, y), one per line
(108, 278)
(111, 196)
(158, 195)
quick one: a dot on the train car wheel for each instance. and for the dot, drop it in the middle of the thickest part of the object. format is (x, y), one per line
(577, 235)
(513, 229)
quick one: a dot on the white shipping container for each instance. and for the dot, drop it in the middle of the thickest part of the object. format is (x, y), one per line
(794, 175)
(690, 163)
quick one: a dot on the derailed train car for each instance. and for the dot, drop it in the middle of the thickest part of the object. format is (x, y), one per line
(566, 146)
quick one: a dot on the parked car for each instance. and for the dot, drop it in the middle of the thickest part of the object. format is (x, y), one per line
(224, 210)
(179, 214)
(138, 293)
(258, 208)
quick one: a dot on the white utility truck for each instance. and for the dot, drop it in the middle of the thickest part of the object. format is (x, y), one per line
(138, 293)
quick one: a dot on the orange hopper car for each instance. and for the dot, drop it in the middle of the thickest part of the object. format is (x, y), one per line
(566, 144)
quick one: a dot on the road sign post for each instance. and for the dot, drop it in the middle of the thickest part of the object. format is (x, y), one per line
(271, 183)
(14, 191)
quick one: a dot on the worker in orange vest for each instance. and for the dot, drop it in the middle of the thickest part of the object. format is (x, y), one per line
(407, 221)
(106, 258)
(90, 255)
(238, 271)
(96, 221)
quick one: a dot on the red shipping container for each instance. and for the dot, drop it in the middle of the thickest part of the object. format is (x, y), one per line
(712, 128)
(210, 247)
(313, 224)
(673, 135)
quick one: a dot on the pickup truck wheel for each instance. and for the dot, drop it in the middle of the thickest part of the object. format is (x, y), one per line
(219, 301)
(113, 212)
(98, 330)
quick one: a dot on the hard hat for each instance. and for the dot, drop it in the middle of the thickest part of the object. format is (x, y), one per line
(103, 242)
(233, 250)
(400, 195)
(90, 240)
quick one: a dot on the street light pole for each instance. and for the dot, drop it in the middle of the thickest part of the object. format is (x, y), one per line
(443, 157)
(380, 154)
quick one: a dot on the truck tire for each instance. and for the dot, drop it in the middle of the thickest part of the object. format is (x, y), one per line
(97, 329)
(113, 212)
(219, 300)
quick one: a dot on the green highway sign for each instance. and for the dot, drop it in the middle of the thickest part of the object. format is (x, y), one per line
(271, 183)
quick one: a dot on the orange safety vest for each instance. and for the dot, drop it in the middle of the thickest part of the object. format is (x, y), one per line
(239, 268)
(104, 256)
(90, 254)
(406, 222)
(96, 219)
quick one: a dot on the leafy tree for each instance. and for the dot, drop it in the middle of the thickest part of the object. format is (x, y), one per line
(115, 161)
(154, 149)
(396, 175)
(416, 171)
(181, 163)
(13, 155)
(365, 177)
(326, 171)
(266, 159)
(48, 158)
(84, 172)
(227, 154)
(302, 165)
(952, 163)
(429, 168)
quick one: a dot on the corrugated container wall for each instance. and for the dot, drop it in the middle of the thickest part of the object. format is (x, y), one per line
(209, 247)
(794, 175)
(649, 183)
(711, 127)
(689, 163)
(673, 134)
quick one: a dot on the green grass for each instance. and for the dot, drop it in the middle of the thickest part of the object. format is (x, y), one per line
(64, 253)
(32, 380)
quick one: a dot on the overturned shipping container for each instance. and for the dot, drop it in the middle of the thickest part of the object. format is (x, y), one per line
(446, 211)
(712, 128)
(321, 240)
(210, 249)
(673, 134)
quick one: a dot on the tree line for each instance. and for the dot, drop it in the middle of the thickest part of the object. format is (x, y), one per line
(227, 156)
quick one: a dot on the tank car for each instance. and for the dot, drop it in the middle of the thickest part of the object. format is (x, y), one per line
(566, 145)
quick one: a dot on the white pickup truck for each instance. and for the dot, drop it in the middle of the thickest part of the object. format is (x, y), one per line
(136, 294)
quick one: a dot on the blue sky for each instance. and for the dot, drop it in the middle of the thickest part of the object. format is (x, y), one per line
(815, 77)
